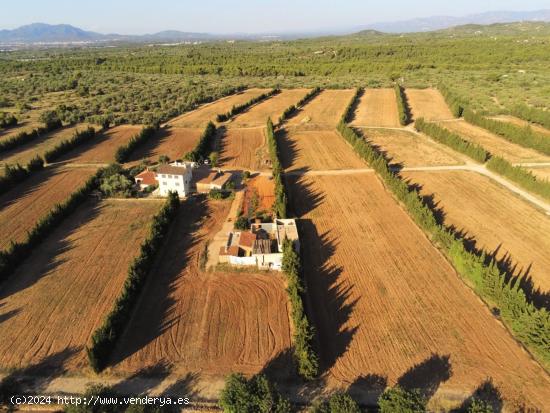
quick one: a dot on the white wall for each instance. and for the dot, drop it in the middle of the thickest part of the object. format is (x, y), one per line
(175, 183)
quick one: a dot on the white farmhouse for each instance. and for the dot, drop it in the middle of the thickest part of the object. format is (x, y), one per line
(175, 177)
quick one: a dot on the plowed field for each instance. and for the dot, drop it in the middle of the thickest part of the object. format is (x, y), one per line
(305, 150)
(410, 149)
(171, 141)
(271, 108)
(199, 118)
(102, 148)
(23, 154)
(244, 149)
(495, 144)
(518, 231)
(213, 322)
(54, 301)
(377, 107)
(428, 104)
(30, 200)
(324, 111)
(383, 299)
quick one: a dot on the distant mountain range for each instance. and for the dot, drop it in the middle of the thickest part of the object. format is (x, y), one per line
(44, 34)
(433, 23)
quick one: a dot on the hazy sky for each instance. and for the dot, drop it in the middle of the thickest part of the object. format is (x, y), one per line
(219, 16)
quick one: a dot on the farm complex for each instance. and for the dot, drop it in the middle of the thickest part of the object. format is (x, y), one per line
(359, 238)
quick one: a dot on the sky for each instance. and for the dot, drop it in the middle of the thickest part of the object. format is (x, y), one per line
(239, 16)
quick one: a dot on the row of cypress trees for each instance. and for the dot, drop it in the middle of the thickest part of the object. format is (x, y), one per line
(280, 195)
(291, 110)
(23, 137)
(304, 354)
(529, 324)
(235, 110)
(66, 145)
(18, 251)
(531, 114)
(204, 145)
(519, 175)
(456, 103)
(105, 337)
(7, 120)
(523, 136)
(123, 152)
(402, 105)
(13, 174)
(454, 141)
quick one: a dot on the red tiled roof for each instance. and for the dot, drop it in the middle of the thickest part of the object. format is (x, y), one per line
(247, 239)
(147, 177)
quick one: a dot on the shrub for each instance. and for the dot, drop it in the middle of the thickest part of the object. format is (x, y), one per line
(235, 110)
(254, 395)
(68, 144)
(14, 174)
(123, 152)
(402, 105)
(399, 400)
(241, 223)
(452, 140)
(308, 363)
(339, 402)
(106, 336)
(7, 121)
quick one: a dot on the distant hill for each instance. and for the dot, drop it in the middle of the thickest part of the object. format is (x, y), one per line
(427, 24)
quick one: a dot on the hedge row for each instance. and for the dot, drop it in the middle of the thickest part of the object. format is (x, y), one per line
(456, 104)
(202, 150)
(532, 114)
(402, 106)
(18, 251)
(235, 110)
(67, 144)
(123, 152)
(13, 174)
(516, 134)
(291, 110)
(519, 175)
(530, 325)
(307, 360)
(348, 113)
(446, 137)
(106, 336)
(25, 137)
(280, 197)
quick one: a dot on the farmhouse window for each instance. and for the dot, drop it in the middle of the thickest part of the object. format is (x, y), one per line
(177, 184)
(169, 176)
(163, 182)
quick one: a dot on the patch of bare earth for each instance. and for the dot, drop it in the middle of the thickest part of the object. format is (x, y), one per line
(428, 104)
(377, 107)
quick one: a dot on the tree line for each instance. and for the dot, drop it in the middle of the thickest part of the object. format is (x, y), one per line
(280, 196)
(18, 251)
(519, 175)
(23, 137)
(531, 114)
(530, 325)
(14, 174)
(147, 133)
(67, 145)
(291, 110)
(402, 105)
(304, 333)
(457, 104)
(521, 136)
(204, 145)
(454, 141)
(235, 110)
(105, 337)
